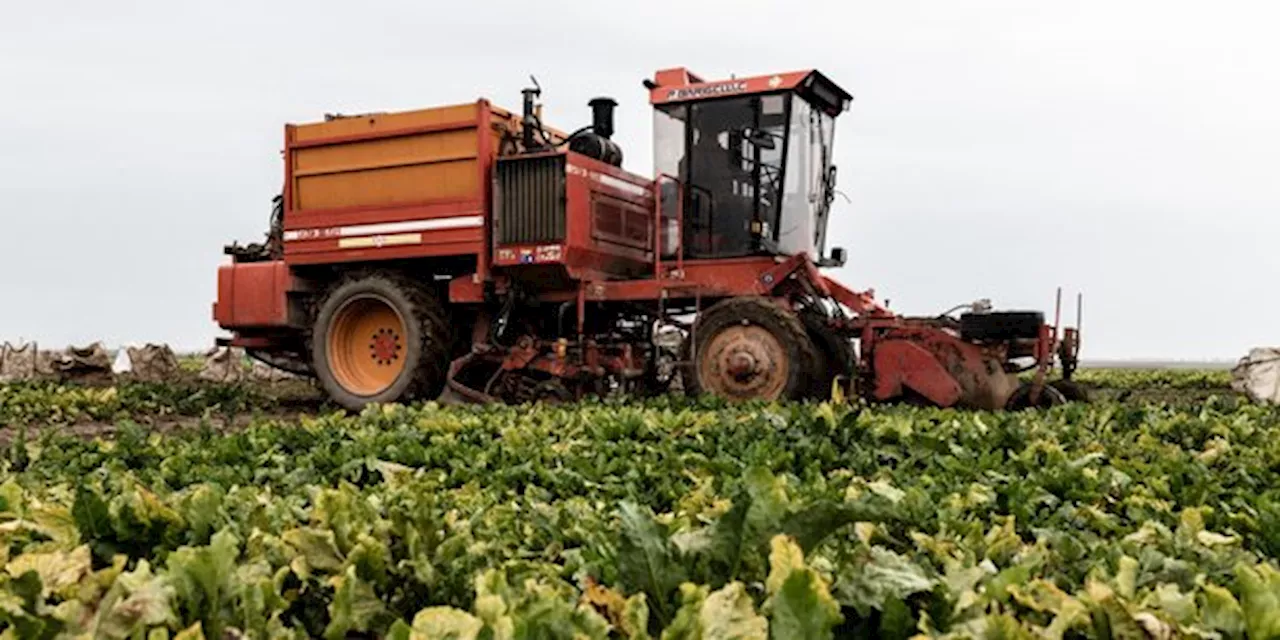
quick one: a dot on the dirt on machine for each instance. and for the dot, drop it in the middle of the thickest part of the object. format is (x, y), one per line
(477, 249)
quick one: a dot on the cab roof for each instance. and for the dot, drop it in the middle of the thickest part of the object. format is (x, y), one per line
(681, 85)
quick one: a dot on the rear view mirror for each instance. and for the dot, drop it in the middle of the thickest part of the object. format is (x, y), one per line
(744, 145)
(836, 259)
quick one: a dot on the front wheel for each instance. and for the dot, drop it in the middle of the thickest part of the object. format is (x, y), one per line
(379, 338)
(749, 349)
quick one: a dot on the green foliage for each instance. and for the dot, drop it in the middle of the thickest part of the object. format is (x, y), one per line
(648, 560)
(800, 601)
(669, 519)
(1134, 379)
(44, 402)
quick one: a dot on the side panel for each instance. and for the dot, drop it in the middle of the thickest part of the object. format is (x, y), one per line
(610, 221)
(384, 159)
(566, 208)
(618, 222)
(391, 186)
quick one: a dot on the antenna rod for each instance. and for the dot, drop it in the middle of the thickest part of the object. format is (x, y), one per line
(1057, 310)
(1079, 310)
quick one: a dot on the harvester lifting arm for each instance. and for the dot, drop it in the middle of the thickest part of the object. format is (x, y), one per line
(862, 303)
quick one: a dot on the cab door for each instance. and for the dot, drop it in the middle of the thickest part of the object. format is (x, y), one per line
(733, 172)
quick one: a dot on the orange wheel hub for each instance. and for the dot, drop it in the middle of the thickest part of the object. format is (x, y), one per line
(366, 344)
(744, 362)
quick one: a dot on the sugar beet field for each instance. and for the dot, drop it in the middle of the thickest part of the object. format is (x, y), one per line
(190, 509)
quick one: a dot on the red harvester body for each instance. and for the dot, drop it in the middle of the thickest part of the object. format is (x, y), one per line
(468, 248)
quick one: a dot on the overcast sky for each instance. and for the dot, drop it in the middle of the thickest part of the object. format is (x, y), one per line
(1126, 149)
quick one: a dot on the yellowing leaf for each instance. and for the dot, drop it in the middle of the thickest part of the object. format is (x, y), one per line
(491, 606)
(59, 571)
(865, 531)
(1040, 595)
(445, 623)
(1216, 448)
(886, 491)
(354, 608)
(138, 600)
(1191, 521)
(317, 548)
(785, 557)
(1146, 535)
(728, 614)
(609, 603)
(1127, 577)
(1071, 615)
(1168, 599)
(193, 632)
(1211, 539)
(1155, 628)
(54, 522)
(800, 601)
(635, 618)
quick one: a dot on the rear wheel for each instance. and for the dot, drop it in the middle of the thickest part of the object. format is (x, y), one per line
(1021, 398)
(379, 338)
(835, 355)
(1071, 390)
(748, 349)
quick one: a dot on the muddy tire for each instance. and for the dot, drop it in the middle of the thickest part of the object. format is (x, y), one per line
(1021, 398)
(748, 349)
(1071, 390)
(379, 337)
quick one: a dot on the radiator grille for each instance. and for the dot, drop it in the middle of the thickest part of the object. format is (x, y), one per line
(530, 200)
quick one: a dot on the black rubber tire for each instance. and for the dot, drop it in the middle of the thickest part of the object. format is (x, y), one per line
(999, 326)
(552, 392)
(427, 341)
(835, 354)
(1071, 390)
(1021, 398)
(783, 324)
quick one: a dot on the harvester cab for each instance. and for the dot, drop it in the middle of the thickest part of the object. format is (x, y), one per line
(754, 156)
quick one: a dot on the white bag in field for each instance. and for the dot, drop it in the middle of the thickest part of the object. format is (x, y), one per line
(47, 362)
(17, 362)
(223, 364)
(122, 363)
(85, 364)
(152, 362)
(1257, 375)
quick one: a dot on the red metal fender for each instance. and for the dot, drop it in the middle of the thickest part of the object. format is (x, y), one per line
(900, 363)
(254, 295)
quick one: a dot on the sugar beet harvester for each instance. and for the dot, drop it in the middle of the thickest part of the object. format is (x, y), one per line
(470, 248)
